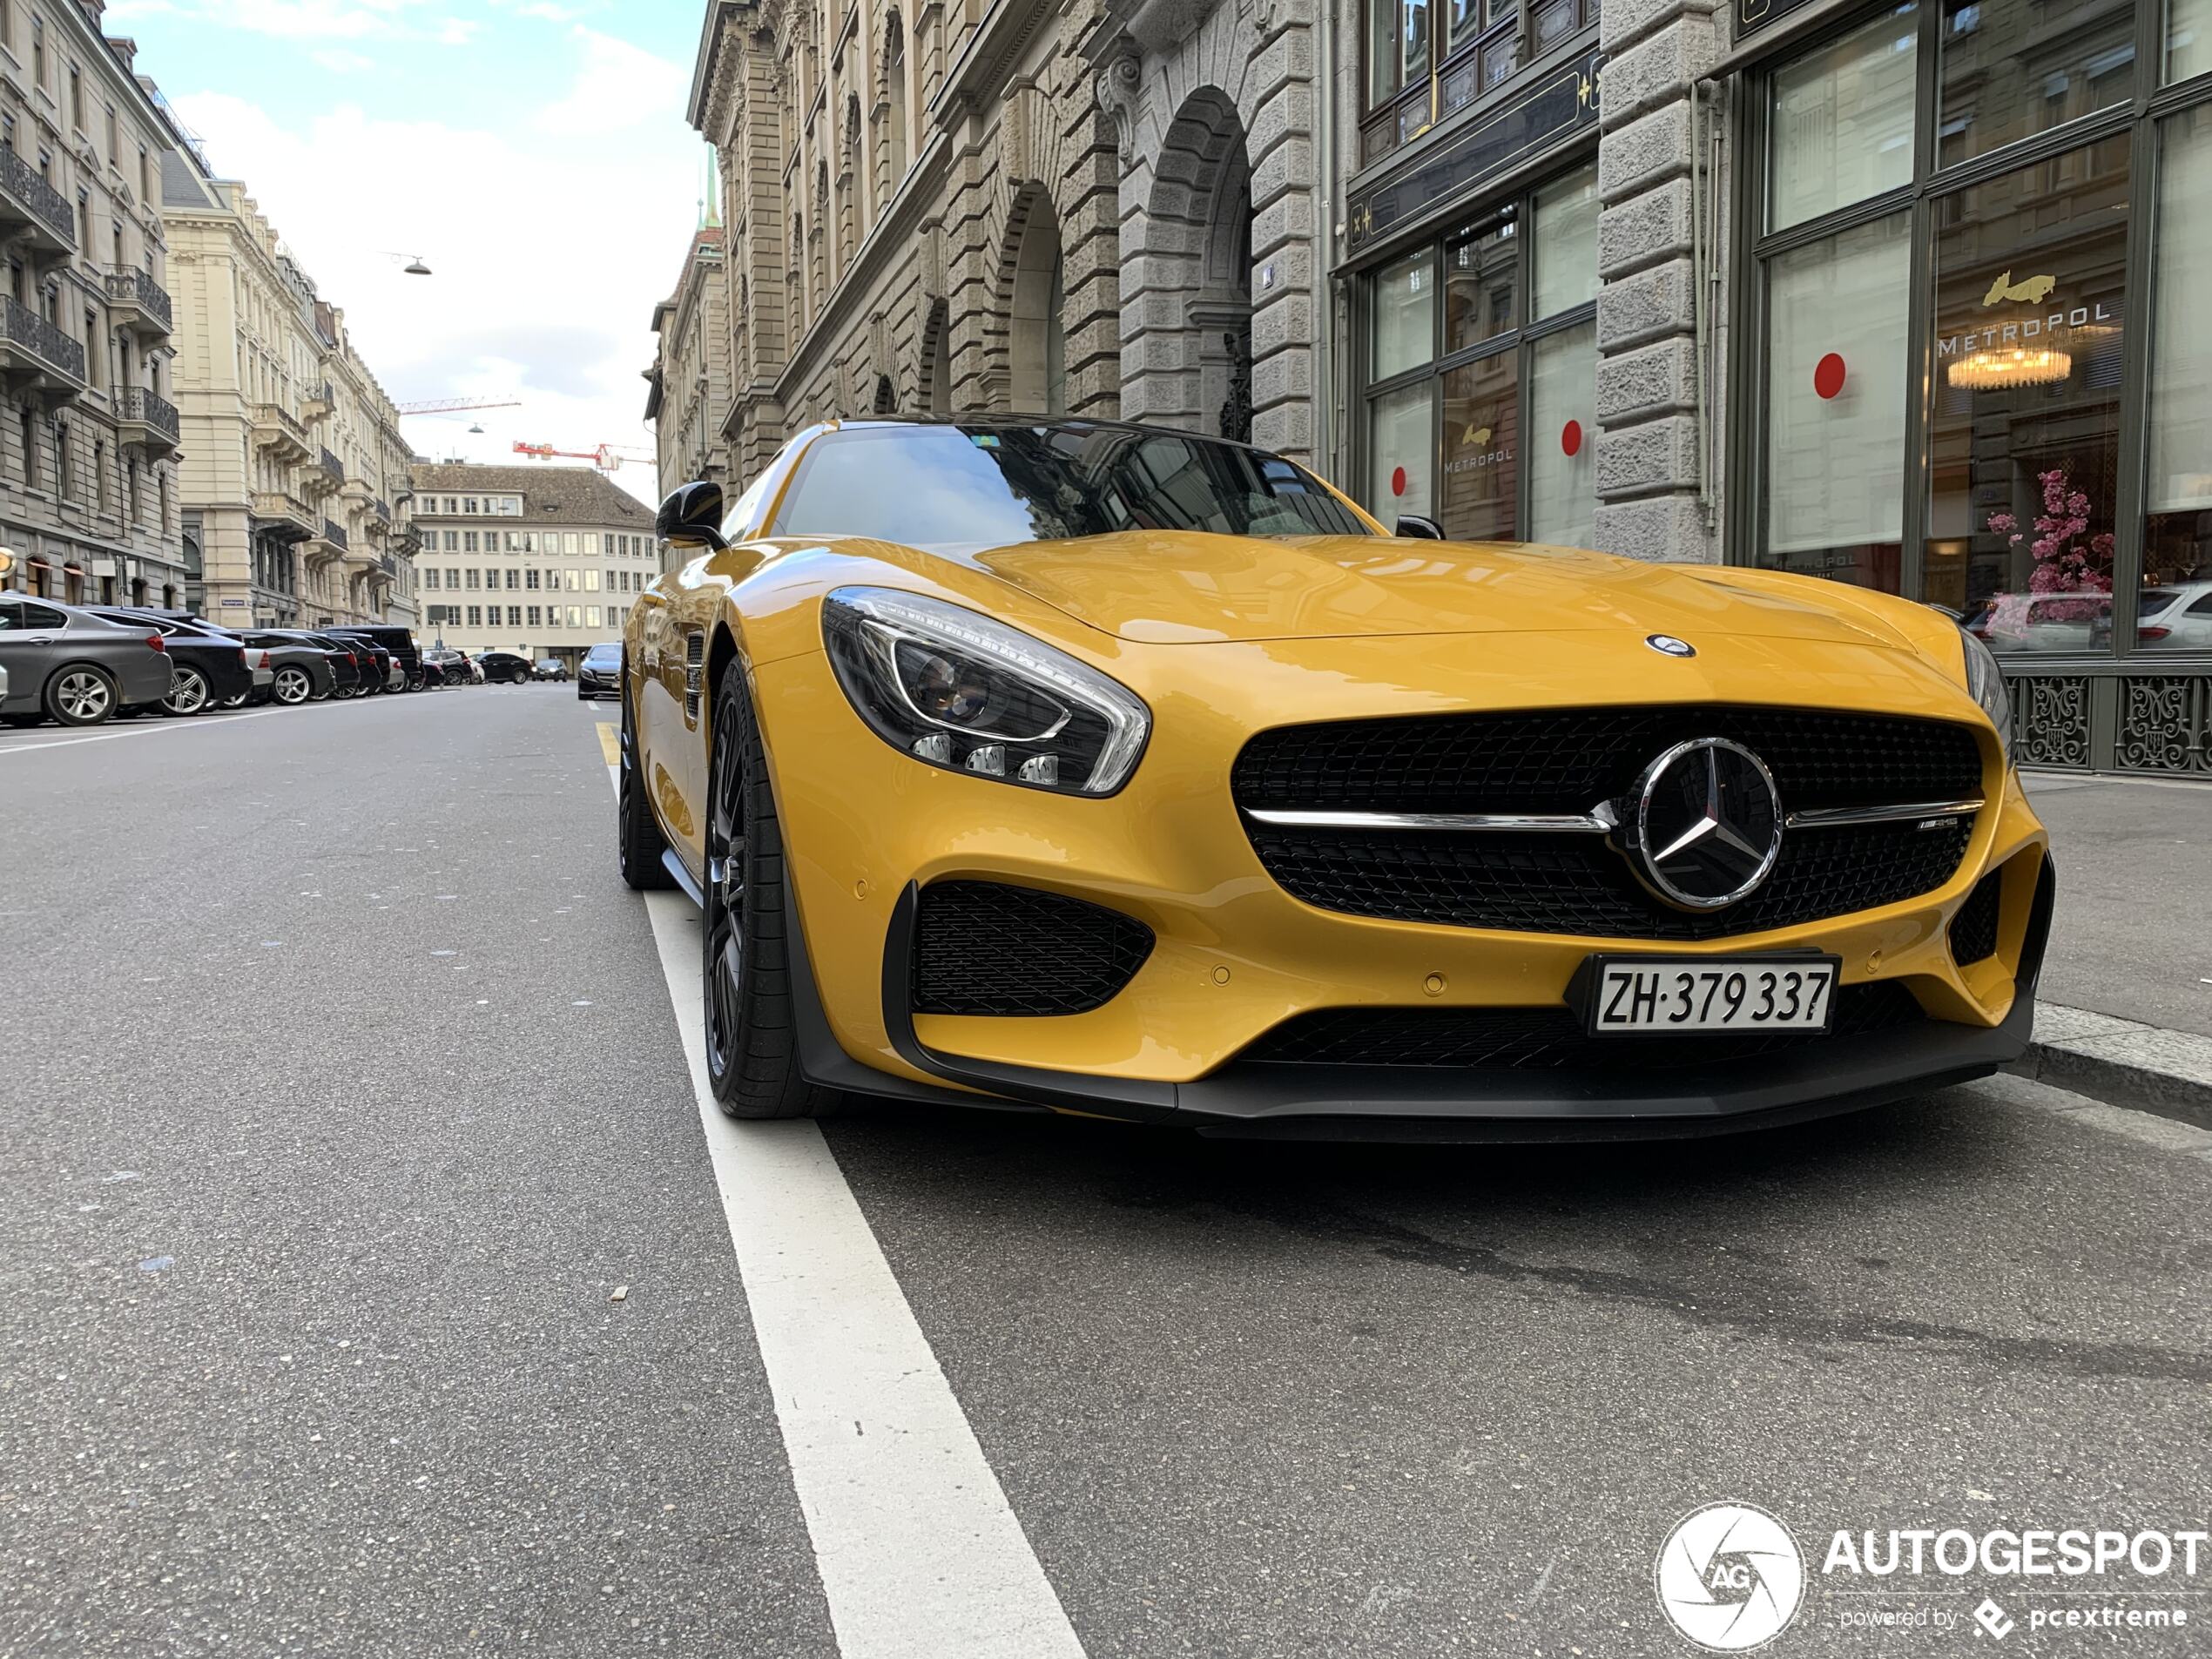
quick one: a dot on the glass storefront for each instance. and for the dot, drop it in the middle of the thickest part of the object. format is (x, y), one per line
(1480, 404)
(1979, 376)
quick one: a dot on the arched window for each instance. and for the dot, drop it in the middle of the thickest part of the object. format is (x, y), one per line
(1038, 347)
(937, 363)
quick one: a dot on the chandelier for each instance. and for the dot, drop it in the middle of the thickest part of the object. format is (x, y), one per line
(1996, 370)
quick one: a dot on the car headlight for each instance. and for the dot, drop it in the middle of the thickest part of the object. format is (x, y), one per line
(1986, 682)
(958, 690)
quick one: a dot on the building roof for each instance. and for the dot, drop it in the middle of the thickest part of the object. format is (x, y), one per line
(578, 493)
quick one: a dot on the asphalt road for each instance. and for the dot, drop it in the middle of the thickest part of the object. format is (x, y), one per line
(344, 1089)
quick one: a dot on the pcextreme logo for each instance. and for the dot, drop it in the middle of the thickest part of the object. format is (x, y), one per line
(1730, 1577)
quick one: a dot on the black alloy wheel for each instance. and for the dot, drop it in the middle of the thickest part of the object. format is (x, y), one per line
(752, 1053)
(638, 842)
(187, 692)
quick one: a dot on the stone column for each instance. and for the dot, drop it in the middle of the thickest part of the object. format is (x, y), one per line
(1647, 374)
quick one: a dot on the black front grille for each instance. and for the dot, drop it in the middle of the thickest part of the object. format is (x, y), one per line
(1567, 760)
(1551, 1039)
(1571, 760)
(983, 948)
(1973, 930)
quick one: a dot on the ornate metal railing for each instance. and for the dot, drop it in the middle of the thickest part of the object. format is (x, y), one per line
(20, 179)
(330, 465)
(333, 533)
(2144, 717)
(134, 286)
(26, 328)
(142, 403)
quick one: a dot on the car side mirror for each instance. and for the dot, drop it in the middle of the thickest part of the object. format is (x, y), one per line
(1424, 530)
(691, 516)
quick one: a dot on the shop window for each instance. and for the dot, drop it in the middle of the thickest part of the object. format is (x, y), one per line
(2030, 314)
(2009, 71)
(1482, 447)
(1836, 404)
(1401, 453)
(2189, 39)
(1840, 120)
(2177, 528)
(1482, 286)
(1564, 256)
(1405, 316)
(1562, 437)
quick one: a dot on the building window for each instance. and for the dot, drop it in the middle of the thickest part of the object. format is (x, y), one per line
(591, 581)
(99, 474)
(1480, 407)
(65, 462)
(2177, 528)
(529, 579)
(469, 577)
(514, 580)
(536, 612)
(430, 579)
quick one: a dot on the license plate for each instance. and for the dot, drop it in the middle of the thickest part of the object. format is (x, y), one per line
(1703, 994)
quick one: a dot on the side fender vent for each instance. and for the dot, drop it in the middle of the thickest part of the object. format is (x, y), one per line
(694, 673)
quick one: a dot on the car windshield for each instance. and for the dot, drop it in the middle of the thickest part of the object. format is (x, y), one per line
(956, 486)
(604, 655)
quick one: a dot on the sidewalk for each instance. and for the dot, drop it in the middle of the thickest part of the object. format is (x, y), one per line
(2126, 1015)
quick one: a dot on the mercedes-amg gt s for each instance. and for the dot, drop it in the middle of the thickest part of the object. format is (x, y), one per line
(1091, 767)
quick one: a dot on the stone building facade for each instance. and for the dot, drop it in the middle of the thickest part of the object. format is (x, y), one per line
(296, 479)
(89, 503)
(540, 561)
(688, 389)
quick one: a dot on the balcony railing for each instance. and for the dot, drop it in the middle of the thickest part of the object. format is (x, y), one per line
(39, 202)
(29, 336)
(142, 406)
(333, 533)
(132, 286)
(283, 514)
(334, 466)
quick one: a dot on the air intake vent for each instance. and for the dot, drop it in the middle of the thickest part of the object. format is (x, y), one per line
(981, 947)
(694, 673)
(1973, 930)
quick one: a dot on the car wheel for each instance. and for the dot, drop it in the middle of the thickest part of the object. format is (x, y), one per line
(187, 692)
(238, 701)
(292, 686)
(81, 695)
(751, 1058)
(638, 842)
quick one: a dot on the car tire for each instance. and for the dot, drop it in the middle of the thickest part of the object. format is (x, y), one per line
(638, 842)
(752, 1050)
(292, 686)
(187, 693)
(238, 701)
(81, 694)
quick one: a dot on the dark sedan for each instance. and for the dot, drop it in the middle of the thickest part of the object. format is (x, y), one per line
(505, 668)
(347, 671)
(600, 672)
(211, 664)
(399, 643)
(300, 671)
(68, 665)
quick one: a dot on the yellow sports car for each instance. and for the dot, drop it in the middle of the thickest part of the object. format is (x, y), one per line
(1102, 768)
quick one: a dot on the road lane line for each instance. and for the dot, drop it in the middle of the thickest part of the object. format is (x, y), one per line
(610, 745)
(191, 723)
(920, 1555)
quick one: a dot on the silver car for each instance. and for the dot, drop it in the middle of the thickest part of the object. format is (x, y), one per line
(68, 665)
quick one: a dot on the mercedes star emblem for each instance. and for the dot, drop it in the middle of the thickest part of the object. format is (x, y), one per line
(1668, 645)
(1708, 825)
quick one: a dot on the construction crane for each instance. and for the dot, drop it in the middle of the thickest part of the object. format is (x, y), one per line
(436, 406)
(606, 457)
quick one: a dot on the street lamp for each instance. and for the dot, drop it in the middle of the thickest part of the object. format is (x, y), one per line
(414, 263)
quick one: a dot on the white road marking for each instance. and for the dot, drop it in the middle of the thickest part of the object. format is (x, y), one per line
(155, 723)
(921, 1556)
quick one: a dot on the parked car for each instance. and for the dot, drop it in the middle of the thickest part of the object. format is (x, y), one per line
(505, 668)
(380, 670)
(210, 665)
(2041, 621)
(448, 665)
(1499, 842)
(300, 671)
(2170, 619)
(400, 643)
(600, 672)
(348, 675)
(549, 668)
(68, 665)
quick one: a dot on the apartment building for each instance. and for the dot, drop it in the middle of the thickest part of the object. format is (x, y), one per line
(544, 561)
(89, 502)
(688, 388)
(295, 478)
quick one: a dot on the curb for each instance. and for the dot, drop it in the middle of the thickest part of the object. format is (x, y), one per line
(2145, 1067)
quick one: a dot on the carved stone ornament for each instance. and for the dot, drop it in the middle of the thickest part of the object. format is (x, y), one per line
(1117, 88)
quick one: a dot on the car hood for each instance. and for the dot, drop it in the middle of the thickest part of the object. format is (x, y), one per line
(1185, 588)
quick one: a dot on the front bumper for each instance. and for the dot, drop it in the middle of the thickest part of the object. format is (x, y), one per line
(1236, 955)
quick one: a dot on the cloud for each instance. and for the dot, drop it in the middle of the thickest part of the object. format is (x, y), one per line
(549, 250)
(301, 20)
(338, 61)
(621, 86)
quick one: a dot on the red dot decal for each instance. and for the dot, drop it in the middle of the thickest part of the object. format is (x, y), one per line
(1397, 481)
(1828, 375)
(1570, 438)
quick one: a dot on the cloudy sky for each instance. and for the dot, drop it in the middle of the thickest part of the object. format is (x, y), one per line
(534, 152)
